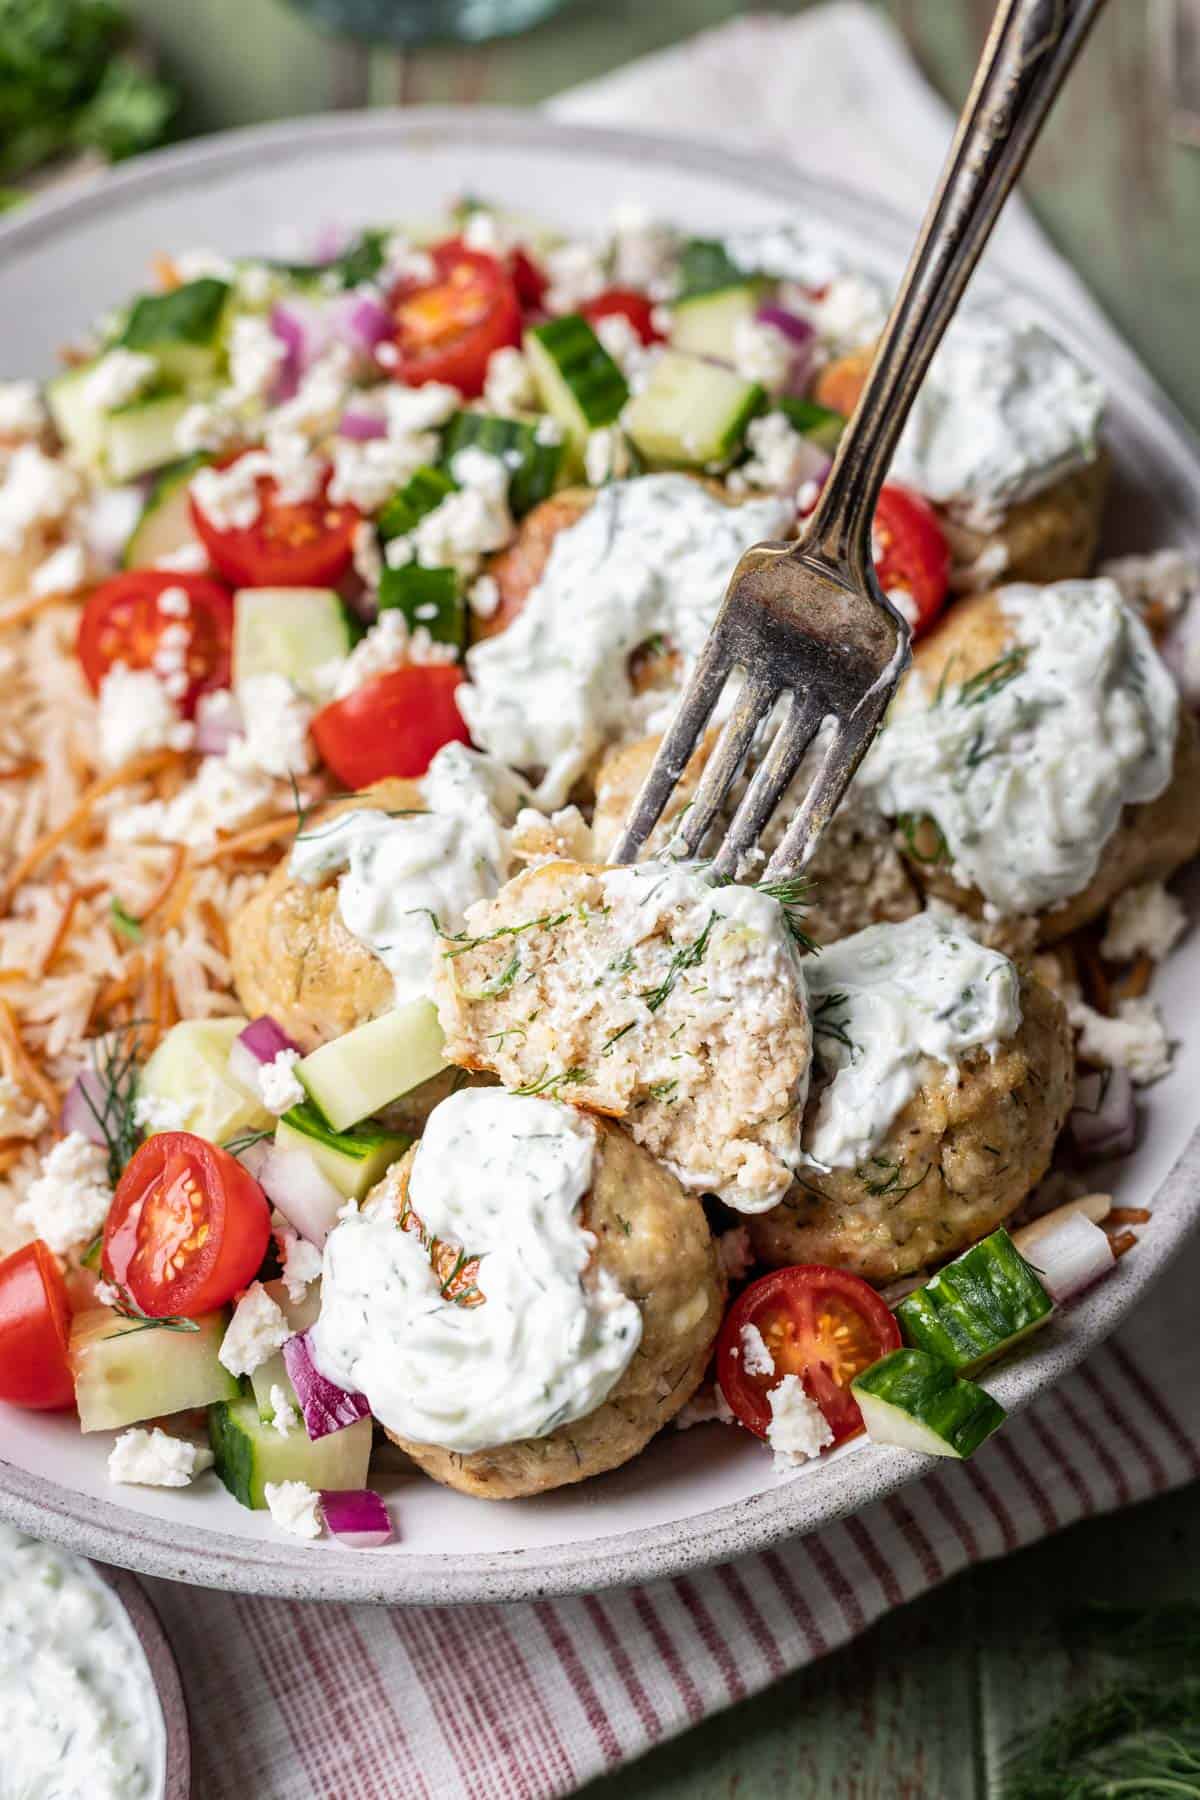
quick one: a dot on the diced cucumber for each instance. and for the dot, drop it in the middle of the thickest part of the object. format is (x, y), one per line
(191, 1069)
(181, 329)
(126, 1371)
(249, 1453)
(534, 467)
(356, 1074)
(812, 420)
(691, 411)
(429, 597)
(353, 1160)
(82, 426)
(706, 324)
(917, 1402)
(704, 267)
(579, 383)
(300, 1314)
(977, 1307)
(425, 488)
(142, 436)
(271, 1374)
(288, 631)
(362, 260)
(166, 522)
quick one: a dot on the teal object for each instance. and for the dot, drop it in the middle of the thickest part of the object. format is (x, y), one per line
(427, 21)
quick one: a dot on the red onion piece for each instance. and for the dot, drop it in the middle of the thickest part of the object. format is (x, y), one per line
(362, 321)
(218, 722)
(83, 1107)
(801, 331)
(1071, 1257)
(1103, 1120)
(264, 1037)
(329, 243)
(357, 1517)
(304, 332)
(362, 425)
(307, 1199)
(325, 1406)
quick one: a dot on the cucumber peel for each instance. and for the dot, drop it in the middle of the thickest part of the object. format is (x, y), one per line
(579, 383)
(915, 1401)
(353, 1160)
(249, 1453)
(977, 1307)
(367, 1068)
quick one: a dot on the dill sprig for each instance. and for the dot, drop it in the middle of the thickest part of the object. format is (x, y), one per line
(794, 894)
(686, 957)
(889, 1182)
(245, 1140)
(546, 1082)
(116, 1065)
(825, 1025)
(124, 922)
(988, 682)
(127, 1308)
(1138, 1741)
(462, 943)
(912, 827)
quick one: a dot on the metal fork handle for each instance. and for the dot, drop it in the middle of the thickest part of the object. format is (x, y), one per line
(1030, 48)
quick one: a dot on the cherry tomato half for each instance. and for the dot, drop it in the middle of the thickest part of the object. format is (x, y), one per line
(625, 303)
(310, 544)
(821, 1324)
(911, 552)
(34, 1331)
(188, 1226)
(391, 725)
(528, 279)
(447, 328)
(123, 622)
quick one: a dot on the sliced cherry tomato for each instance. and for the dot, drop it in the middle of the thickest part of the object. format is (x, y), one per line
(528, 279)
(821, 1324)
(911, 552)
(391, 725)
(306, 545)
(123, 622)
(188, 1226)
(625, 303)
(34, 1331)
(447, 328)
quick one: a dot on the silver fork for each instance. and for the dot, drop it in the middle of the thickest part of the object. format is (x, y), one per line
(806, 622)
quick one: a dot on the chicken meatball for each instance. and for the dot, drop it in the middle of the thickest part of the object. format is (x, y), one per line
(518, 569)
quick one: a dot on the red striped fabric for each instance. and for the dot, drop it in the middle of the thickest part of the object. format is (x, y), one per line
(293, 1702)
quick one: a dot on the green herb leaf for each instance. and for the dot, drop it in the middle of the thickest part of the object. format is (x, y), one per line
(124, 922)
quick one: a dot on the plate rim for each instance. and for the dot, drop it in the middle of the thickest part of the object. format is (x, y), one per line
(153, 1546)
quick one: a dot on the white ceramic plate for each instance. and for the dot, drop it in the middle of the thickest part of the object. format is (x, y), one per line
(692, 1498)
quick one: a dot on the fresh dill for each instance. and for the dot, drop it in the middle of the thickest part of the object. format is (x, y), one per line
(246, 1140)
(302, 811)
(687, 957)
(793, 893)
(986, 683)
(126, 1308)
(889, 1182)
(124, 922)
(546, 1082)
(611, 1042)
(916, 829)
(462, 943)
(499, 984)
(112, 1099)
(663, 1090)
(824, 1023)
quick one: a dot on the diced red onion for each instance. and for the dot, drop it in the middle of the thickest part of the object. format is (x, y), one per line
(1071, 1257)
(1103, 1120)
(362, 425)
(362, 321)
(814, 463)
(325, 1406)
(84, 1107)
(329, 243)
(265, 1038)
(304, 332)
(218, 723)
(307, 1199)
(357, 1517)
(801, 331)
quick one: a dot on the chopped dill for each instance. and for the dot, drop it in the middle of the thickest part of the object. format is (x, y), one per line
(988, 682)
(889, 1181)
(545, 1082)
(616, 1037)
(124, 922)
(793, 893)
(663, 1090)
(462, 943)
(126, 1308)
(912, 827)
(246, 1140)
(825, 1025)
(115, 1061)
(499, 983)
(683, 959)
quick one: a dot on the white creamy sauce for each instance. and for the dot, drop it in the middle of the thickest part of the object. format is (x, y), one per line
(501, 1177)
(1026, 767)
(650, 557)
(409, 875)
(79, 1715)
(886, 1001)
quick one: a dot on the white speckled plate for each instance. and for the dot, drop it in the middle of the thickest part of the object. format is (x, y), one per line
(693, 1498)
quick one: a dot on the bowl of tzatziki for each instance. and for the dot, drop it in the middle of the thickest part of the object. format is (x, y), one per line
(399, 1202)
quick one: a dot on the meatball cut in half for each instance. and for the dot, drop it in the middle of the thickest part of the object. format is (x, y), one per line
(648, 994)
(1037, 759)
(942, 1080)
(525, 1299)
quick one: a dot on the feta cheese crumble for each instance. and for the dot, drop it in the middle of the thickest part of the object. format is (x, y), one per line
(762, 353)
(300, 1260)
(278, 1086)
(756, 1358)
(798, 1428)
(22, 414)
(284, 1417)
(37, 490)
(1136, 1039)
(256, 357)
(154, 1458)
(137, 714)
(257, 1330)
(155, 1112)
(119, 377)
(276, 717)
(509, 386)
(68, 1201)
(294, 1507)
(1144, 920)
(20, 1117)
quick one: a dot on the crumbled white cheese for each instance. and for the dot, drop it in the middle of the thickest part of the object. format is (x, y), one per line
(470, 522)
(798, 1428)
(200, 262)
(509, 386)
(155, 1112)
(1143, 919)
(256, 1331)
(707, 1406)
(154, 1458)
(779, 458)
(256, 357)
(368, 559)
(385, 646)
(851, 312)
(735, 1253)
(119, 376)
(170, 660)
(213, 425)
(37, 490)
(256, 283)
(189, 559)
(229, 497)
(485, 231)
(643, 249)
(221, 797)
(420, 409)
(278, 1086)
(576, 273)
(64, 571)
(623, 342)
(299, 1259)
(367, 474)
(762, 353)
(606, 455)
(483, 597)
(104, 1294)
(756, 1358)
(136, 714)
(316, 409)
(1136, 1039)
(403, 261)
(68, 1202)
(218, 715)
(20, 1117)
(294, 1507)
(276, 717)
(22, 414)
(284, 1417)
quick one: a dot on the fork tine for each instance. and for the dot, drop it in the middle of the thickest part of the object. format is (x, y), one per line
(771, 781)
(846, 750)
(755, 699)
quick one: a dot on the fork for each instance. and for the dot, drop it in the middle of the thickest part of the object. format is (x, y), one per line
(806, 622)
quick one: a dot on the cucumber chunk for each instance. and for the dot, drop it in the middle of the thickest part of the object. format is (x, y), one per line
(141, 436)
(288, 631)
(249, 1453)
(579, 383)
(812, 420)
(81, 426)
(353, 1160)
(356, 1074)
(126, 1371)
(300, 1314)
(182, 329)
(425, 488)
(977, 1307)
(706, 324)
(272, 1374)
(917, 1402)
(166, 522)
(534, 466)
(705, 266)
(691, 411)
(191, 1069)
(429, 597)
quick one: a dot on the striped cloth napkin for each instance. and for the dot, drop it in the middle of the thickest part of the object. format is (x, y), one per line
(295, 1702)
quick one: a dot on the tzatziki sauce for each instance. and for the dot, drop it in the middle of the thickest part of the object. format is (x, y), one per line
(884, 1003)
(1025, 767)
(79, 1713)
(410, 875)
(651, 557)
(502, 1177)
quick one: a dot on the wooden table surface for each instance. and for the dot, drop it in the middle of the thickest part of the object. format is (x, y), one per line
(922, 1707)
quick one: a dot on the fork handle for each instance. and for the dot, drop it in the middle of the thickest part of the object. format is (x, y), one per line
(1030, 48)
